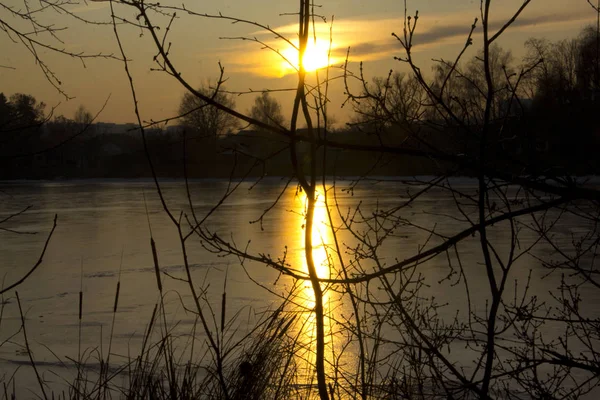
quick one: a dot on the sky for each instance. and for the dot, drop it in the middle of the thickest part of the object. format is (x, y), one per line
(198, 44)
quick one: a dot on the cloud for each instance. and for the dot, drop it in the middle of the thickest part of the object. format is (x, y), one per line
(432, 31)
(454, 30)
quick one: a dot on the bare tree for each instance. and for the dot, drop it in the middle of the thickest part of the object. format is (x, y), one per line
(34, 27)
(267, 110)
(396, 100)
(205, 118)
(555, 78)
(83, 116)
(462, 88)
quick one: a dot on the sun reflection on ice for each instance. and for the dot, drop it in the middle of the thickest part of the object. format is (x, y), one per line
(326, 261)
(322, 240)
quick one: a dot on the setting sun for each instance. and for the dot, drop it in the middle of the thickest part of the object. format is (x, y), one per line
(315, 57)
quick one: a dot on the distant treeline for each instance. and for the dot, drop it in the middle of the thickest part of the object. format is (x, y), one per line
(544, 122)
(525, 145)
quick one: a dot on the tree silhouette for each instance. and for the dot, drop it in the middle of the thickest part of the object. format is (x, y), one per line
(21, 119)
(204, 118)
(267, 110)
(83, 116)
(395, 100)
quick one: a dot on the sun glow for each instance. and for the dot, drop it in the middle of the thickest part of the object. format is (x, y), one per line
(316, 57)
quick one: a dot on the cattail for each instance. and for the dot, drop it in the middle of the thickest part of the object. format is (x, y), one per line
(80, 290)
(117, 297)
(223, 304)
(147, 336)
(286, 327)
(156, 268)
(80, 303)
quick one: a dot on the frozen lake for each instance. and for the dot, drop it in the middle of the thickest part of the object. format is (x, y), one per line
(103, 234)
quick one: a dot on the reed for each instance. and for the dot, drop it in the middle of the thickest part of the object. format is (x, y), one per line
(260, 364)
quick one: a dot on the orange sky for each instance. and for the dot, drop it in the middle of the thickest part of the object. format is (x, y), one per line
(197, 48)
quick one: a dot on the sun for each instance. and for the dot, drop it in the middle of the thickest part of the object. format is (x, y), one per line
(316, 57)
